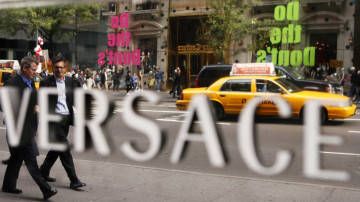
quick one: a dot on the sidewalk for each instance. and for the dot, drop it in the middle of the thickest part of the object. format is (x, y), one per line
(119, 182)
(120, 95)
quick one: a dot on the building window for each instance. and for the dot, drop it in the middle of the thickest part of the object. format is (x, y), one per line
(148, 47)
(147, 5)
(18, 55)
(3, 54)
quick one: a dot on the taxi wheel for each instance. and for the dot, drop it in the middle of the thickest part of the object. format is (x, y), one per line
(218, 111)
(323, 116)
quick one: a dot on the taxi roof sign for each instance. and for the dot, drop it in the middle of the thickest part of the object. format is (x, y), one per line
(239, 69)
(11, 64)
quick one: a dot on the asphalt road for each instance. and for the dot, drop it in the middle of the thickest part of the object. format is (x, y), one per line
(273, 134)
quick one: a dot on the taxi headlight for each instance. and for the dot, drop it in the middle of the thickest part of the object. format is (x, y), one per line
(340, 103)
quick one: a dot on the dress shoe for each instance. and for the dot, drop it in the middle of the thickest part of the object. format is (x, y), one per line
(77, 185)
(50, 193)
(49, 179)
(12, 191)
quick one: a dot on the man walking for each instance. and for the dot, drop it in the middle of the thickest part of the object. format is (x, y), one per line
(27, 150)
(61, 104)
(177, 82)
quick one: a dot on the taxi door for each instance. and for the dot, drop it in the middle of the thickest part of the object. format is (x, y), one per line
(234, 94)
(266, 88)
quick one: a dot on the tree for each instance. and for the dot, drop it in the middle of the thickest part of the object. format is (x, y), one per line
(229, 22)
(46, 20)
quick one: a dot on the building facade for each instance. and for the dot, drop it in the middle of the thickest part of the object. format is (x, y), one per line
(169, 32)
(356, 43)
(328, 25)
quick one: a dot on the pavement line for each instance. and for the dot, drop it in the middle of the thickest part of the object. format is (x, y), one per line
(151, 105)
(160, 111)
(177, 121)
(155, 111)
(2, 128)
(353, 131)
(340, 153)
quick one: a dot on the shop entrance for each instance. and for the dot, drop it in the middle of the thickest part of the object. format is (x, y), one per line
(148, 47)
(326, 47)
(191, 64)
(187, 48)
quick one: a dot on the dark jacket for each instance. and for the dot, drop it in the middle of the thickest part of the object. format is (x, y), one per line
(31, 120)
(70, 85)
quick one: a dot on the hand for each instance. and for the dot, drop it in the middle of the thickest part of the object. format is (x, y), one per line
(36, 109)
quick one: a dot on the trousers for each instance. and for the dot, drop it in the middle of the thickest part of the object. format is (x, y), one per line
(59, 132)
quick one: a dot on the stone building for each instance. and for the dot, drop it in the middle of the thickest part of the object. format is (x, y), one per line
(327, 24)
(356, 43)
(170, 31)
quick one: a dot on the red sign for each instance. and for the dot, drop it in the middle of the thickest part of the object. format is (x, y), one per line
(252, 69)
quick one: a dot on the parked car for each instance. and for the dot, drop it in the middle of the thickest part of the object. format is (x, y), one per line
(230, 94)
(210, 73)
(317, 85)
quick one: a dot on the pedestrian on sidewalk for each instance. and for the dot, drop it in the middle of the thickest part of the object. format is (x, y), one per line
(355, 82)
(128, 82)
(103, 78)
(116, 80)
(97, 80)
(27, 151)
(158, 79)
(135, 82)
(62, 104)
(176, 88)
(141, 78)
(90, 83)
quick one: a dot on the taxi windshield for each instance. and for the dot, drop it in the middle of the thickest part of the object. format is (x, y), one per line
(288, 85)
(295, 72)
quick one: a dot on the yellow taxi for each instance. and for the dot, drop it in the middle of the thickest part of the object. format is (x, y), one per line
(5, 74)
(230, 94)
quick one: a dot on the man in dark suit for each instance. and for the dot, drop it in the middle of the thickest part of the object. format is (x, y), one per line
(27, 150)
(62, 104)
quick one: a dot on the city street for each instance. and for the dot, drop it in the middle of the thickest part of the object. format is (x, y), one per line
(116, 178)
(235, 55)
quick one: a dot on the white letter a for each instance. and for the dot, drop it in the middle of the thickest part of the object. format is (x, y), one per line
(200, 106)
